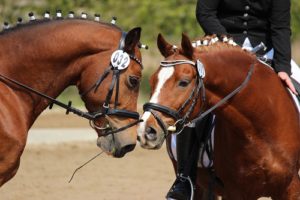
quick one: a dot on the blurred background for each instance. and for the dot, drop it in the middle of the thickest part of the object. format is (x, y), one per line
(58, 144)
(169, 17)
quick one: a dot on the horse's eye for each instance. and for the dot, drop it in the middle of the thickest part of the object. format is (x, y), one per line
(133, 81)
(183, 83)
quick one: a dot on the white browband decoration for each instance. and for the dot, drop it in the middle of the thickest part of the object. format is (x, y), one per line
(172, 63)
(199, 65)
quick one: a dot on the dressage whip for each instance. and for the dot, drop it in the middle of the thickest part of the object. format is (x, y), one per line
(84, 165)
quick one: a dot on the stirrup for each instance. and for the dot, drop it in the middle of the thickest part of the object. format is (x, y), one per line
(183, 178)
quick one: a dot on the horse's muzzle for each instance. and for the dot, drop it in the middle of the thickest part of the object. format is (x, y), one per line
(121, 152)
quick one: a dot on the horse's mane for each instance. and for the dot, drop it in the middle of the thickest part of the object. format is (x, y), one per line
(212, 43)
(33, 23)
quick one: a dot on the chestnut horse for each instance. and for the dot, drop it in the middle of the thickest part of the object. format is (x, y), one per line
(257, 133)
(46, 56)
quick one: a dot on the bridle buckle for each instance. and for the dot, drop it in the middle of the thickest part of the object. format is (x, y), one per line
(173, 128)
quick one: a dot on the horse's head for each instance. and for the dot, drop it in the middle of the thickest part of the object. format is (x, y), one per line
(109, 87)
(173, 88)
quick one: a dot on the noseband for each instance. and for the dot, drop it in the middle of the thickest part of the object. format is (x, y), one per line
(105, 110)
(179, 117)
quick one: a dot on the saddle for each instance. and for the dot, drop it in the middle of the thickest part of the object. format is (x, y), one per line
(297, 87)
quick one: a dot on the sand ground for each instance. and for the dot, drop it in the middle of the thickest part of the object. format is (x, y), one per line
(46, 168)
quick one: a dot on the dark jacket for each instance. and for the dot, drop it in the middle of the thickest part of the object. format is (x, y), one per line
(266, 21)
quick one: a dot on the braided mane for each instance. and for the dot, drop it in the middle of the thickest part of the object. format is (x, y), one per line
(211, 43)
(34, 22)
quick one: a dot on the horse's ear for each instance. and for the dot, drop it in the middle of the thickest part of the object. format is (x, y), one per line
(186, 45)
(164, 47)
(132, 39)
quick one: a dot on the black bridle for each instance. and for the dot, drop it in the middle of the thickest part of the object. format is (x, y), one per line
(181, 120)
(105, 109)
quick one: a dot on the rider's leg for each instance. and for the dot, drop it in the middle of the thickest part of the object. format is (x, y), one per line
(181, 189)
(186, 144)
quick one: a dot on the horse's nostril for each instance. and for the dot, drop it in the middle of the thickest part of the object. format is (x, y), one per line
(151, 133)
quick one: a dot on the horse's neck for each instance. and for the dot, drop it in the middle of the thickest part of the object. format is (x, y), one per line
(263, 96)
(225, 71)
(48, 57)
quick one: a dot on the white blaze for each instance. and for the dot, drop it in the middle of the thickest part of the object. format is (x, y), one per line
(164, 74)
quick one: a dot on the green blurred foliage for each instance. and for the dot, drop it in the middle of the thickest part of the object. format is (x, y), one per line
(170, 17)
(295, 18)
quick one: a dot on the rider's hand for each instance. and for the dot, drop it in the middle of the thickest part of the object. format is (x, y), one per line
(286, 78)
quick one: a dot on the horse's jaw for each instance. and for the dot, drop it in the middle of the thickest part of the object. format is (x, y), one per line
(113, 148)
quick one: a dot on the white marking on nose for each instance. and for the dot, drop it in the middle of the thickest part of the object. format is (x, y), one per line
(142, 125)
(164, 74)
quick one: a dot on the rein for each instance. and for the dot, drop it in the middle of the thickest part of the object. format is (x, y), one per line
(230, 95)
(152, 107)
(105, 110)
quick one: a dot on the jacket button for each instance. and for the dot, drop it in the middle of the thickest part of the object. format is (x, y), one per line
(247, 7)
(245, 23)
(245, 32)
(246, 14)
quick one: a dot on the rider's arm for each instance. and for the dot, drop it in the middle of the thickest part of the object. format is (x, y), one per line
(206, 13)
(280, 35)
(280, 19)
